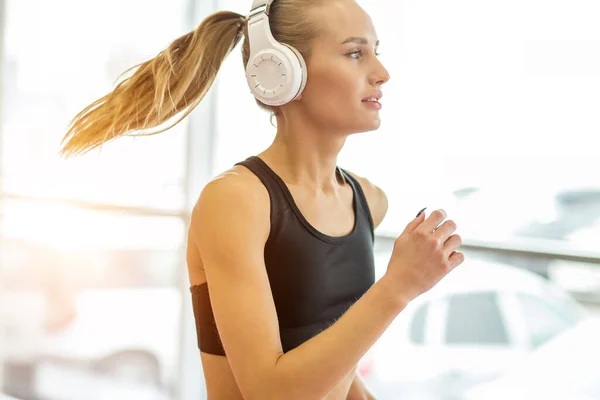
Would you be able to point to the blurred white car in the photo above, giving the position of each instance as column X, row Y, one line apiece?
column 131, row 334
column 563, row 368
column 479, row 320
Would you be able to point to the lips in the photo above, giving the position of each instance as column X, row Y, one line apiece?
column 374, row 97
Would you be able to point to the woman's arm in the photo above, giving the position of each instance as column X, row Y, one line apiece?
column 230, row 225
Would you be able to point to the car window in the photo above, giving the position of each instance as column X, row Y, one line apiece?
column 417, row 327
column 544, row 320
column 563, row 304
column 475, row 319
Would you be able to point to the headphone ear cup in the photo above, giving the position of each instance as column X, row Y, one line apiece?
column 301, row 65
column 276, row 75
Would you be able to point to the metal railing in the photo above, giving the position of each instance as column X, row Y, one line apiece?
column 529, row 253
column 98, row 206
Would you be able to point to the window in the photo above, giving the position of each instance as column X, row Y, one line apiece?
column 98, row 275
column 92, row 249
column 80, row 281
column 544, row 319
column 483, row 134
column 481, row 104
column 475, row 319
column 490, row 113
column 52, row 73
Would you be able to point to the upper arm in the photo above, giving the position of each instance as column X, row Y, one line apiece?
column 376, row 198
column 230, row 225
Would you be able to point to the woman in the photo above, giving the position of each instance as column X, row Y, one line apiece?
column 280, row 247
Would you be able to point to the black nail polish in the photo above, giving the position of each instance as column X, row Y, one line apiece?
column 420, row 212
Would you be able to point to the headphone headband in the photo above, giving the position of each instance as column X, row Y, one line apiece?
column 260, row 6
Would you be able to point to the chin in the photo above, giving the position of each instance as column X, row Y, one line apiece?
column 376, row 124
column 358, row 125
column 369, row 126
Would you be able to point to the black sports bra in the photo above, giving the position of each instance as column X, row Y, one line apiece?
column 314, row 277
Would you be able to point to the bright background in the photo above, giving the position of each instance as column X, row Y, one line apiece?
column 491, row 113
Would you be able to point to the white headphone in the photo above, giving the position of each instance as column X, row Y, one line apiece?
column 276, row 72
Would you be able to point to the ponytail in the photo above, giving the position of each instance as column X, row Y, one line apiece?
column 175, row 81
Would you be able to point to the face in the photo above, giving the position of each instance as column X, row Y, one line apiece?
column 344, row 71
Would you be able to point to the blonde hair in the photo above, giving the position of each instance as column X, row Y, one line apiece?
column 178, row 78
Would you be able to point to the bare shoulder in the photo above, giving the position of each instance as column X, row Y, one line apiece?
column 233, row 196
column 376, row 198
column 236, row 183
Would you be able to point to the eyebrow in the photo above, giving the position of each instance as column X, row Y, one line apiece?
column 359, row 40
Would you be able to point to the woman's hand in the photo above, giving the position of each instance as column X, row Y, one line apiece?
column 423, row 254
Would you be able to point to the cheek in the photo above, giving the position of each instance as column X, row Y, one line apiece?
column 334, row 88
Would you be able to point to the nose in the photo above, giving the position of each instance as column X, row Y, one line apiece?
column 380, row 75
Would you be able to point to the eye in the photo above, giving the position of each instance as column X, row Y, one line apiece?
column 357, row 52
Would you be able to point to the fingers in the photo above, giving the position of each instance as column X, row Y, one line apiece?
column 456, row 258
column 452, row 244
column 445, row 230
column 412, row 225
column 434, row 220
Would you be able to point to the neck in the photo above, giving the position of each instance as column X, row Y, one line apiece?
column 305, row 156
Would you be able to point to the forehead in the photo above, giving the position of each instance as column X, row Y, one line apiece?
column 341, row 19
